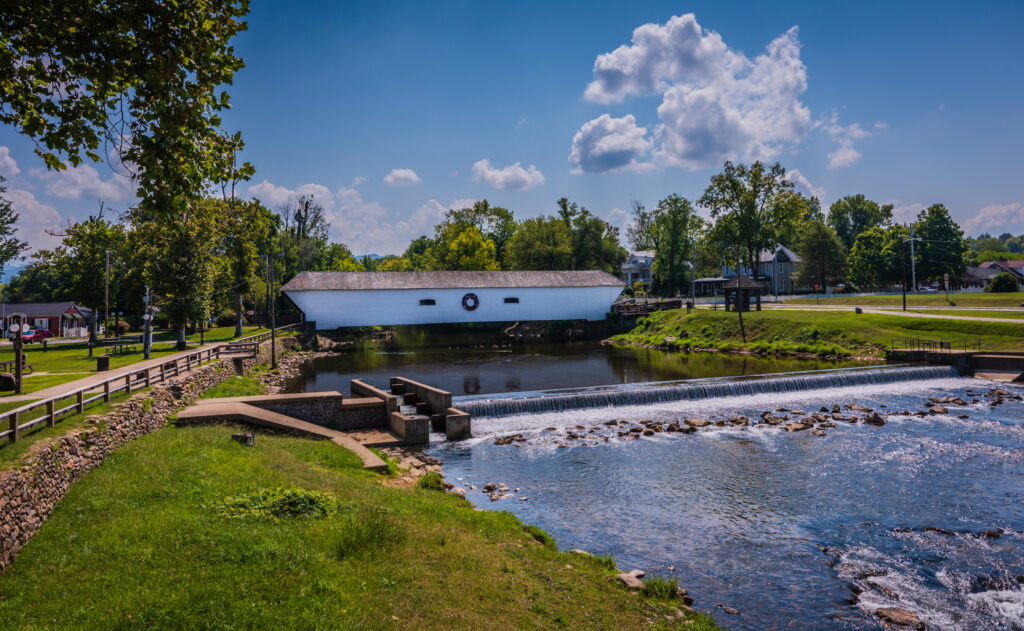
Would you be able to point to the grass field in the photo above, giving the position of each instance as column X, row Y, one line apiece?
column 146, row 541
column 831, row 333
column 1013, row 299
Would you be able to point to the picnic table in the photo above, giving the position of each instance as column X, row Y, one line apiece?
column 121, row 345
column 8, row 366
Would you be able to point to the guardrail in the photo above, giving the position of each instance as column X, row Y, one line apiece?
column 75, row 401
column 262, row 337
column 935, row 346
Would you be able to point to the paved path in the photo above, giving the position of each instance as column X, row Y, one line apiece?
column 100, row 377
column 889, row 311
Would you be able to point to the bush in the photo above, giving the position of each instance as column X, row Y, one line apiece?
column 368, row 529
column 656, row 587
column 123, row 327
column 228, row 318
column 278, row 503
column 432, row 481
column 1004, row 282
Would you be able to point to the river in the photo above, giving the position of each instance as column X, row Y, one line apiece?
column 792, row 530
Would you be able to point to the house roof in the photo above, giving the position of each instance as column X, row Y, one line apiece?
column 768, row 255
column 1017, row 264
column 38, row 309
column 742, row 282
column 351, row 281
column 643, row 253
column 982, row 272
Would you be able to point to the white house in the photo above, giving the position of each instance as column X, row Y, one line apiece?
column 342, row 299
column 637, row 267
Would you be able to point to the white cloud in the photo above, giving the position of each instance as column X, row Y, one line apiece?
column 275, row 196
column 717, row 103
column 35, row 218
column 997, row 218
column 8, row 166
column 609, row 144
column 85, row 181
column 401, row 177
column 513, row 177
column 905, row 213
column 804, row 185
column 845, row 155
column 357, row 180
column 619, row 218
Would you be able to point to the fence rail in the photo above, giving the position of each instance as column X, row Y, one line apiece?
column 75, row 401
column 263, row 337
column 935, row 346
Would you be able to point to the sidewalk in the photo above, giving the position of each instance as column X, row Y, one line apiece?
column 100, row 377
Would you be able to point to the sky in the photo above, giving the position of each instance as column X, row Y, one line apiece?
column 390, row 113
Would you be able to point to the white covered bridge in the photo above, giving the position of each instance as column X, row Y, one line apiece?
column 341, row 299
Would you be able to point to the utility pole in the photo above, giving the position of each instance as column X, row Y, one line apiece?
column 903, row 276
column 19, row 357
column 147, row 342
column 273, row 318
column 106, row 295
column 913, row 264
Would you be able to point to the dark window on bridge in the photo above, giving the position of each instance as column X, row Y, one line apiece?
column 511, row 301
column 427, row 302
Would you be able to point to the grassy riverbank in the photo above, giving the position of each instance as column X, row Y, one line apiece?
column 938, row 299
column 142, row 541
column 824, row 333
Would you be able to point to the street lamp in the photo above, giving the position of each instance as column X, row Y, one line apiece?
column 18, row 357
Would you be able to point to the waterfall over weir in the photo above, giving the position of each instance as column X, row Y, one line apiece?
column 653, row 393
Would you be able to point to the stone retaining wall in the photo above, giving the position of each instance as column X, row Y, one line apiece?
column 36, row 481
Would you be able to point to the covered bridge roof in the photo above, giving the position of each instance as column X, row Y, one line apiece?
column 321, row 281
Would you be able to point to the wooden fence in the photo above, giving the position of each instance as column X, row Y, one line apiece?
column 75, row 401
column 935, row 346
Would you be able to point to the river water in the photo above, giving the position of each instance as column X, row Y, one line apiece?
column 792, row 530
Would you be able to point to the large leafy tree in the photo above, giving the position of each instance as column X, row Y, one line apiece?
column 495, row 224
column 752, row 207
column 879, row 257
column 640, row 232
column 855, row 214
column 40, row 281
column 246, row 235
column 418, row 254
column 942, row 248
column 823, row 255
column 471, row 251
column 676, row 228
column 540, row 243
column 594, row 242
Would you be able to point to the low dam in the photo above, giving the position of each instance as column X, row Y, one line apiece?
column 663, row 392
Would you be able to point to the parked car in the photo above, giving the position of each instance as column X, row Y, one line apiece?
column 33, row 335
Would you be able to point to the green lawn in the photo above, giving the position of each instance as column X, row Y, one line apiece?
column 141, row 543
column 839, row 333
column 1014, row 299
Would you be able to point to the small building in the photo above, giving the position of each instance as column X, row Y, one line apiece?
column 980, row 276
column 776, row 270
column 1013, row 268
column 709, row 286
column 345, row 299
column 62, row 319
column 738, row 292
column 637, row 268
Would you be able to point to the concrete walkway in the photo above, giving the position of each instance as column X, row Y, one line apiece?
column 228, row 410
column 99, row 377
column 889, row 311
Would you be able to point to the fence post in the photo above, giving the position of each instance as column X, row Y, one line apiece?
column 106, row 390
column 14, row 427
column 146, row 376
column 80, row 401
column 51, row 418
column 128, row 383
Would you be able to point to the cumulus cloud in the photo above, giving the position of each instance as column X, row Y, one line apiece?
column 8, row 166
column 35, row 218
column 275, row 196
column 619, row 218
column 905, row 213
column 85, row 181
column 609, row 144
column 804, row 185
column 997, row 217
column 844, row 136
column 401, row 177
column 513, row 177
column 717, row 104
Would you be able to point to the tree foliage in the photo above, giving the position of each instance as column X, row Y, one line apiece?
column 942, row 248
column 854, row 214
column 540, row 243
column 10, row 246
column 676, row 228
column 823, row 255
column 1002, row 283
column 594, row 243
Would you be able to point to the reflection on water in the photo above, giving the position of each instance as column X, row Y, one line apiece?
column 487, row 368
column 798, row 532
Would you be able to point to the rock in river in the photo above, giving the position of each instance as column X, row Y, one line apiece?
column 901, row 618
column 874, row 419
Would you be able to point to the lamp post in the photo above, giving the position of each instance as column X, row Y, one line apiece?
column 147, row 329
column 18, row 356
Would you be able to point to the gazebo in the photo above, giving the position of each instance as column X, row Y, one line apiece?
column 738, row 291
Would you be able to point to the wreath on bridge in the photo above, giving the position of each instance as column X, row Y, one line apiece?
column 470, row 302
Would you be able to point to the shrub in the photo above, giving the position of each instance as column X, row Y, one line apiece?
column 123, row 327
column 227, row 318
column 541, row 536
column 278, row 503
column 657, row 587
column 370, row 528
column 432, row 481
column 1002, row 283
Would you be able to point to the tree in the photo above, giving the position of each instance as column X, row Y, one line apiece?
column 395, row 264
column 470, row 251
column 40, row 281
column 594, row 242
column 640, row 233
column 495, row 224
column 10, row 246
column 1003, row 282
column 419, row 253
column 854, row 214
column 540, row 243
column 337, row 257
column 676, row 228
column 823, row 254
column 875, row 259
column 752, row 207
column 941, row 249
column 246, row 235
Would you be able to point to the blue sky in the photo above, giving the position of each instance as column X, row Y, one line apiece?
column 390, row 113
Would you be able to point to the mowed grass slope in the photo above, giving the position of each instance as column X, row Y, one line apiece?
column 819, row 332
column 140, row 543
column 938, row 299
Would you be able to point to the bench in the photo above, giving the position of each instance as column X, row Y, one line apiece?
column 119, row 348
column 8, row 366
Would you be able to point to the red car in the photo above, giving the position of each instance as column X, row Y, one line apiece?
column 36, row 335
